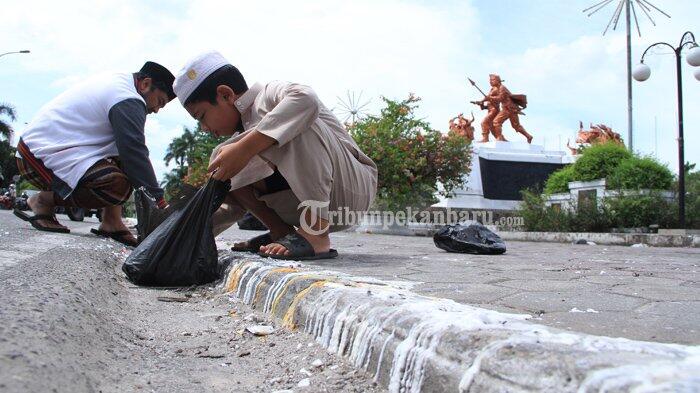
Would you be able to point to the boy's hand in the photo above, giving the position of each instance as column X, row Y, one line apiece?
column 162, row 203
column 230, row 160
column 234, row 157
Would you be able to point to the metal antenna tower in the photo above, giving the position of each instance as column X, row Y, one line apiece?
column 630, row 8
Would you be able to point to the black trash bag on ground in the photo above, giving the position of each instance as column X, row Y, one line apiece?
column 181, row 251
column 250, row 223
column 148, row 214
column 472, row 239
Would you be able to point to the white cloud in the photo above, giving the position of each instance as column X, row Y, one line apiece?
column 158, row 138
column 387, row 47
column 66, row 81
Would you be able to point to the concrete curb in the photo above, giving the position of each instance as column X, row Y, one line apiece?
column 616, row 239
column 414, row 343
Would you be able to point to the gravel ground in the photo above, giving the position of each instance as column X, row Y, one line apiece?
column 71, row 322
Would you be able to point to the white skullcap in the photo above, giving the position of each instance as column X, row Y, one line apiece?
column 195, row 71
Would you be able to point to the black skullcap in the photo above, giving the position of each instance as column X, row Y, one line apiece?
column 162, row 78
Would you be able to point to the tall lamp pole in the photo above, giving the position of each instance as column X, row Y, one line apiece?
column 642, row 73
column 19, row 51
column 630, row 128
column 631, row 8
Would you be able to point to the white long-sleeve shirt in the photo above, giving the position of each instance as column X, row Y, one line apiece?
column 76, row 129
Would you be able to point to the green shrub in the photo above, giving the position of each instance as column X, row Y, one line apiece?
column 692, row 199
column 625, row 211
column 129, row 208
column 8, row 163
column 558, row 181
column 24, row 185
column 589, row 217
column 636, row 211
column 599, row 161
column 595, row 162
column 412, row 157
column 538, row 217
column 533, row 211
column 635, row 173
column 623, row 171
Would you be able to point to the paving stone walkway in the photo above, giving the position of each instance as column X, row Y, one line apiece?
column 650, row 294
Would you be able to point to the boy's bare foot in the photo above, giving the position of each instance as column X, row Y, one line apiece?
column 42, row 203
column 320, row 243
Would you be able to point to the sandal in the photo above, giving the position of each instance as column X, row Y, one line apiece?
column 255, row 243
column 120, row 236
column 299, row 249
column 35, row 218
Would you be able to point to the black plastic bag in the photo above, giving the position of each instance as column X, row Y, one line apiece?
column 472, row 239
column 147, row 213
column 150, row 216
column 181, row 251
column 250, row 223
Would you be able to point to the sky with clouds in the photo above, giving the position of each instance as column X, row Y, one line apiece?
column 547, row 49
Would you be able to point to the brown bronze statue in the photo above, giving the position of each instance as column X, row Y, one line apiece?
column 511, row 105
column 487, row 124
column 574, row 150
column 595, row 135
column 492, row 109
column 462, row 126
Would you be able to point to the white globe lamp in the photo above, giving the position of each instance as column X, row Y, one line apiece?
column 641, row 72
column 697, row 73
column 693, row 56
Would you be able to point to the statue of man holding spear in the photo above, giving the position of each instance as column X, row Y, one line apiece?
column 511, row 105
column 492, row 109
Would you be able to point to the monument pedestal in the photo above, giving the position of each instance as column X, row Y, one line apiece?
column 500, row 170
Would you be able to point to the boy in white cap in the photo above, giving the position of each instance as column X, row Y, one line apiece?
column 290, row 160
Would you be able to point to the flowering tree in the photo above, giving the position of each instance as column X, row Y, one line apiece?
column 413, row 159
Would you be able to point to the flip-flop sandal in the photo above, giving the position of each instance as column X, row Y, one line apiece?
column 120, row 236
column 255, row 243
column 299, row 249
column 35, row 218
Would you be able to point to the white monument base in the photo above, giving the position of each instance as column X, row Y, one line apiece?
column 499, row 170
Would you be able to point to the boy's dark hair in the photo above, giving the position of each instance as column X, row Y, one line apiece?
column 227, row 75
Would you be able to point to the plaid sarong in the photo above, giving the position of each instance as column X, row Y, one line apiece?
column 104, row 184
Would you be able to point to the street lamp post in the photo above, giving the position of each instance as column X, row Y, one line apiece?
column 642, row 73
column 19, row 51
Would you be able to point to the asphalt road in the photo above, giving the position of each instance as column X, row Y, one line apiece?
column 70, row 322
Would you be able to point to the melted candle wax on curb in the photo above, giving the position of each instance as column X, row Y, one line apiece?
column 354, row 331
column 351, row 330
column 588, row 310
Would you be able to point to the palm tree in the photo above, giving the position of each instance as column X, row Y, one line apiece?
column 8, row 166
column 190, row 152
column 172, row 180
column 5, row 128
column 181, row 148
